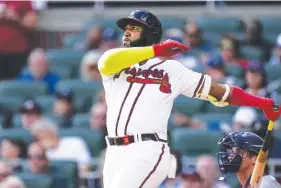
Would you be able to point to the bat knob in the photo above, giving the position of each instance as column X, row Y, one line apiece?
column 275, row 107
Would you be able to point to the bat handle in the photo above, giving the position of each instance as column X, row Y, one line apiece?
column 276, row 107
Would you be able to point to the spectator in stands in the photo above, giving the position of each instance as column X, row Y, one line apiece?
column 39, row 71
column 276, row 58
column 66, row 148
column 64, row 107
column 193, row 37
column 30, row 111
column 12, row 151
column 254, row 38
column 256, row 79
column 191, row 178
column 230, row 51
column 93, row 40
column 37, row 160
column 89, row 66
column 110, row 39
column 18, row 23
column 243, row 119
column 7, row 117
column 98, row 113
column 7, row 179
column 208, row 170
column 217, row 70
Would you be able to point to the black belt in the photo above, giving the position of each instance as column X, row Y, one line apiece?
column 125, row 140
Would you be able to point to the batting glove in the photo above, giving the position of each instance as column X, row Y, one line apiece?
column 169, row 48
column 269, row 112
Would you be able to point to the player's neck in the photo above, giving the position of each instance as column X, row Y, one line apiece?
column 244, row 176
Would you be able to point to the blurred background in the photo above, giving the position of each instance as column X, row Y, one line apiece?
column 52, row 107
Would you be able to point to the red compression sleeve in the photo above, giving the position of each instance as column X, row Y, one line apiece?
column 241, row 98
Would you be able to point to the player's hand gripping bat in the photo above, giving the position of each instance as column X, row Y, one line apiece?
column 262, row 156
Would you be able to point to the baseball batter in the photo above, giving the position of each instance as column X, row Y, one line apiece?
column 141, row 83
column 239, row 151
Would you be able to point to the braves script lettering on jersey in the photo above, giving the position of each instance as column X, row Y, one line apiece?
column 139, row 100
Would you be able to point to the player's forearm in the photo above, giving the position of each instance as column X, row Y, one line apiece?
column 113, row 61
column 239, row 97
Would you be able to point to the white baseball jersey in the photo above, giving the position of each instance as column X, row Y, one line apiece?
column 140, row 98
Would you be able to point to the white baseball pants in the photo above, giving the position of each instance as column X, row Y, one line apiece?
column 138, row 165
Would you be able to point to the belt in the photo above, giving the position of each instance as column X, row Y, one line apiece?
column 125, row 140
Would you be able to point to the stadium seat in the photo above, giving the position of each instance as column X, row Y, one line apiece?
column 94, row 139
column 46, row 102
column 81, row 121
column 69, row 41
column 210, row 108
column 213, row 37
column 220, row 24
column 252, row 53
column 16, row 120
column 172, row 22
column 214, row 120
column 270, row 23
column 80, row 89
column 62, row 57
column 99, row 21
column 187, row 106
column 273, row 71
column 63, row 71
column 23, row 89
column 67, row 168
column 18, row 134
column 12, row 104
column 271, row 36
column 35, row 181
column 194, row 142
column 234, row 70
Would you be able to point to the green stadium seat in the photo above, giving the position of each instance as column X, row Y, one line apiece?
column 69, row 41
column 12, row 104
column 46, row 102
column 105, row 22
column 18, row 134
column 234, row 70
column 16, row 120
column 94, row 139
column 35, row 181
column 80, row 89
column 81, row 121
column 187, row 105
column 64, row 57
column 252, row 53
column 63, row 71
column 23, row 89
column 213, row 37
column 210, row 108
column 273, row 72
column 69, row 169
column 220, row 24
column 271, row 36
column 172, row 22
column 194, row 142
column 270, row 23
column 213, row 120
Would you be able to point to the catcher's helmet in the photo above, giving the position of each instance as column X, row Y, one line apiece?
column 152, row 28
column 246, row 141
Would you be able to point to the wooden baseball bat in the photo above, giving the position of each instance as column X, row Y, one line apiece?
column 262, row 156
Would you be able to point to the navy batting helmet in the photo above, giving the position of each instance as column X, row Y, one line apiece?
column 230, row 162
column 152, row 28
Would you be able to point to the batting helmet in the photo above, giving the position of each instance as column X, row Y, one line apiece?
column 230, row 162
column 152, row 28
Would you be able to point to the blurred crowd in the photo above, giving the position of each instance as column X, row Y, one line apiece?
column 22, row 60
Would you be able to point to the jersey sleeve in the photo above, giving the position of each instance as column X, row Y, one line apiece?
column 188, row 81
column 269, row 181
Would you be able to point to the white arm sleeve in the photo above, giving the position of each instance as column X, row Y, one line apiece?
column 269, row 181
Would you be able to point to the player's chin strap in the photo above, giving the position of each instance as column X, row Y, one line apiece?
column 204, row 95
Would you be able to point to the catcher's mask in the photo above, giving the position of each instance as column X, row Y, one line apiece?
column 230, row 161
column 152, row 28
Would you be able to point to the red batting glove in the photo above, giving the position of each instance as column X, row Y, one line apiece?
column 269, row 112
column 169, row 48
